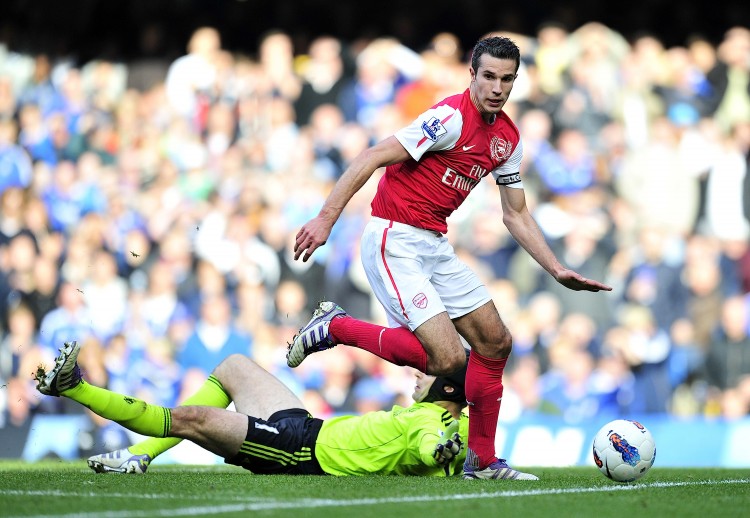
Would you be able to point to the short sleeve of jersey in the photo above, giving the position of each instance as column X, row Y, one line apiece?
column 508, row 174
column 437, row 129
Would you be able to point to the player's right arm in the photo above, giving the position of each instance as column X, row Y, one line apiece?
column 315, row 232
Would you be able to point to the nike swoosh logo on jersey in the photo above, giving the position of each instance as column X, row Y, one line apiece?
column 466, row 148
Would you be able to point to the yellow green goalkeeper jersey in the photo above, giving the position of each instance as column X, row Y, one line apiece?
column 396, row 442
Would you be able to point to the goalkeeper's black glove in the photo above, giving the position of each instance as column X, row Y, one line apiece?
column 445, row 451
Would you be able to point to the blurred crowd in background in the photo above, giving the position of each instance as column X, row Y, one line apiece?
column 149, row 209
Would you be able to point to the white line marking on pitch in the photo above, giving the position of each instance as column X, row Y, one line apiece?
column 312, row 503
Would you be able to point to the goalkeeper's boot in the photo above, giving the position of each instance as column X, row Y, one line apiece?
column 64, row 375
column 314, row 336
column 120, row 461
column 498, row 469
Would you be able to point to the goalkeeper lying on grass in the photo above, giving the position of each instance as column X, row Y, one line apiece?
column 271, row 432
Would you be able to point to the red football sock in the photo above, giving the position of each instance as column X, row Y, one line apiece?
column 484, row 389
column 397, row 345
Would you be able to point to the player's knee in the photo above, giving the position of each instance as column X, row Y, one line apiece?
column 188, row 421
column 504, row 345
column 230, row 364
column 448, row 363
column 499, row 346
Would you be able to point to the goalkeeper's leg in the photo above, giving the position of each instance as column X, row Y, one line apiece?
column 136, row 458
column 255, row 391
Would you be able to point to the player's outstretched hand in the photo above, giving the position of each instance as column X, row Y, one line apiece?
column 577, row 282
column 445, row 451
column 311, row 236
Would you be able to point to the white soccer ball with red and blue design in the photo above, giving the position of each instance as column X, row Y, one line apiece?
column 624, row 450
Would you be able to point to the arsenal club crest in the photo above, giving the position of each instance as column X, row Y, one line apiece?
column 500, row 149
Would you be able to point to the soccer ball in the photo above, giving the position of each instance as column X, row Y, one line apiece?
column 624, row 450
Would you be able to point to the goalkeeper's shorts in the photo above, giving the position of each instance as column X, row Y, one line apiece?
column 283, row 445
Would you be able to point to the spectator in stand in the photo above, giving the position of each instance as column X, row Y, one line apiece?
column 372, row 394
column 536, row 127
column 650, row 170
column 67, row 199
column 77, row 109
column 728, row 360
column 19, row 351
column 568, row 167
column 382, row 67
column 120, row 220
column 702, row 277
column 324, row 77
column 215, row 337
column 43, row 297
column 742, row 136
column 220, row 133
column 176, row 252
column 34, row 136
column 684, row 87
column 491, row 244
column 15, row 163
column 637, row 104
column 653, row 277
column 21, row 255
column 282, row 131
column 190, row 78
column 159, row 307
column 40, row 91
column 724, row 210
column 67, row 146
column 106, row 296
column 17, row 341
column 586, row 104
column 156, row 376
column 7, row 98
column 437, row 79
column 310, row 275
column 729, row 79
column 686, row 357
column 569, row 390
column 583, row 248
column 69, row 321
column 12, row 213
column 552, row 58
column 276, row 58
column 325, row 127
column 646, row 348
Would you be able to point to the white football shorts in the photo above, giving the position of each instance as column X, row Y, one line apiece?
column 415, row 274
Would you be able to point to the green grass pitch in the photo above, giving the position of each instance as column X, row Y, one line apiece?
column 69, row 489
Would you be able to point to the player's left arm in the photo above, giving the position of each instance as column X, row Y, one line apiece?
column 526, row 232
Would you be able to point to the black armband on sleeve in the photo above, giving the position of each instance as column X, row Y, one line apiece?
column 508, row 179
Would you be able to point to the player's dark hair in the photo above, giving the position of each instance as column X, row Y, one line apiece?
column 497, row 47
column 455, row 382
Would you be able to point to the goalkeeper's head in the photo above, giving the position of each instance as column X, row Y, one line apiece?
column 449, row 388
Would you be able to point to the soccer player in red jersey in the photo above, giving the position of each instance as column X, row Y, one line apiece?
column 429, row 295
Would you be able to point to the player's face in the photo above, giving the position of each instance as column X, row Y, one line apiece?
column 491, row 83
column 422, row 386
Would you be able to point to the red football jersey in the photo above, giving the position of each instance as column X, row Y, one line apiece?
column 452, row 148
